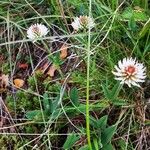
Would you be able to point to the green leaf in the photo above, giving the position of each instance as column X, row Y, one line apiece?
column 85, row 147
column 54, row 104
column 34, row 115
column 71, row 140
column 46, row 104
column 95, row 144
column 113, row 94
column 146, row 49
column 107, row 9
column 56, row 59
column 93, row 122
column 75, row 2
column 106, row 92
column 132, row 24
column 107, row 134
column 122, row 144
column 138, row 14
column 115, row 91
column 127, row 13
column 74, row 96
column 145, row 29
column 108, row 147
column 120, row 102
column 102, row 122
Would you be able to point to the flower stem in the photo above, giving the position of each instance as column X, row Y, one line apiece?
column 88, row 85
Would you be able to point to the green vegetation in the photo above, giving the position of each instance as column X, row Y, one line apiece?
column 67, row 97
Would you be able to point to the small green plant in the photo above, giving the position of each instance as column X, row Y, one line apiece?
column 112, row 95
column 104, row 133
column 70, row 141
column 75, row 107
column 49, row 107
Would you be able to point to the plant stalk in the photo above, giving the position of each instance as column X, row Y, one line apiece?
column 88, row 85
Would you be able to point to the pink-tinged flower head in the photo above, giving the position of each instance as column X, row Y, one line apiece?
column 37, row 31
column 129, row 71
column 83, row 22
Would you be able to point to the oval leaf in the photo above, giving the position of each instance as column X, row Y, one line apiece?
column 71, row 140
column 74, row 96
column 18, row 83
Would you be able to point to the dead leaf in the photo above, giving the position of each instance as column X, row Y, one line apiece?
column 18, row 83
column 51, row 70
column 1, row 121
column 3, row 82
column 44, row 67
column 1, row 58
column 63, row 51
column 23, row 65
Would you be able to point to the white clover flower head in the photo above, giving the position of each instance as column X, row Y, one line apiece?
column 83, row 22
column 36, row 31
column 76, row 24
column 129, row 71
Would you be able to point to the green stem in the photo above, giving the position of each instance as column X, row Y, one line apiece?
column 88, row 86
column 87, row 103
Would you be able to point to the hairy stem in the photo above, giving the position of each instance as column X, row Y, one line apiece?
column 88, row 84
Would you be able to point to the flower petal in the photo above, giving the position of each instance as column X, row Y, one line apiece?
column 130, row 72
